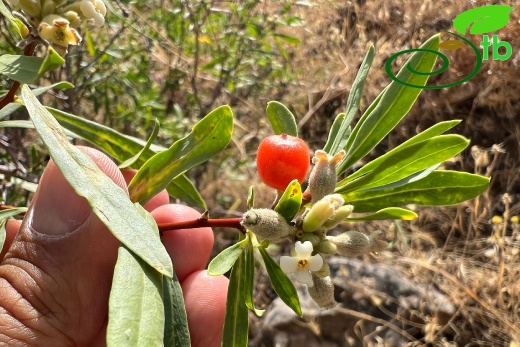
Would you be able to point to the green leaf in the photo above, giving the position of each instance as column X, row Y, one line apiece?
column 250, row 276
column 208, row 137
column 236, row 323
column 408, row 160
column 437, row 189
column 333, row 132
column 225, row 259
column 17, row 24
column 287, row 38
column 108, row 201
column 250, row 197
column 282, row 285
column 4, row 216
column 290, row 202
column 282, row 120
column 130, row 161
column 11, row 107
column 354, row 99
column 485, row 19
column 435, row 130
column 89, row 43
column 121, row 147
column 20, row 68
column 394, row 103
column 281, row 49
column 135, row 308
column 51, row 61
column 183, row 189
column 176, row 332
column 386, row 213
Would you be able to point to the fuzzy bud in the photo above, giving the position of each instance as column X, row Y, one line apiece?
column 354, row 243
column 321, row 211
column 351, row 243
column 323, row 291
column 323, row 177
column 267, row 224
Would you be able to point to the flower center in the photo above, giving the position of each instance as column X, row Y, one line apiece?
column 302, row 264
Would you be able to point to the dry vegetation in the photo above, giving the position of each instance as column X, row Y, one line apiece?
column 463, row 251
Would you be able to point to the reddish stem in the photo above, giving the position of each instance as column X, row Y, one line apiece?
column 185, row 224
column 203, row 222
column 9, row 97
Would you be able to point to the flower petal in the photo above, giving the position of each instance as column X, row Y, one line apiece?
column 303, row 250
column 304, row 277
column 315, row 262
column 288, row 264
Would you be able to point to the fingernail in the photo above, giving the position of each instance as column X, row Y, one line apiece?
column 56, row 208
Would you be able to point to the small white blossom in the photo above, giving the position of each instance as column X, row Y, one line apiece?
column 303, row 263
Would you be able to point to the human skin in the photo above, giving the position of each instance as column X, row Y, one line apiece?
column 57, row 268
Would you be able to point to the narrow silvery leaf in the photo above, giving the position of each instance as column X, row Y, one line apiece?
column 236, row 323
column 282, row 285
column 225, row 259
column 108, row 201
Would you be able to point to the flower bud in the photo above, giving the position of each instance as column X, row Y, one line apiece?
column 48, row 8
column 314, row 239
column 32, row 8
column 351, row 243
column 323, row 178
column 323, row 291
column 267, row 224
column 321, row 211
column 340, row 215
column 327, row 247
column 354, row 243
column 73, row 18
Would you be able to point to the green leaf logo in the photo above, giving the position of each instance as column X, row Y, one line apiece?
column 483, row 19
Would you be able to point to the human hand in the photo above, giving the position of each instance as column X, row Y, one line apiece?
column 57, row 268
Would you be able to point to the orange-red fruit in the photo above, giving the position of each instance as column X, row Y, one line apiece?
column 281, row 159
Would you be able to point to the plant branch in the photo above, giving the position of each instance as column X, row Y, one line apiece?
column 10, row 96
column 203, row 222
column 186, row 224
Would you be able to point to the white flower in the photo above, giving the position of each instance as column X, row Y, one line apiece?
column 303, row 263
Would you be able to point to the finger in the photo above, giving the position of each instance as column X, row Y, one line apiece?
column 189, row 248
column 162, row 198
column 205, row 300
column 55, row 279
column 11, row 229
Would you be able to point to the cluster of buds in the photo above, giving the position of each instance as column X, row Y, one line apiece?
column 56, row 21
column 309, row 231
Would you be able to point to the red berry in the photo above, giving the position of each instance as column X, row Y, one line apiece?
column 281, row 159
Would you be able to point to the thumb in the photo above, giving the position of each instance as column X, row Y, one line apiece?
column 55, row 279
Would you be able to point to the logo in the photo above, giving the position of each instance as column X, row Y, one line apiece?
column 480, row 20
